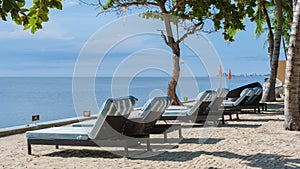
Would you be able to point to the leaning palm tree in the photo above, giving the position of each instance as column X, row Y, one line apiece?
column 276, row 25
column 291, row 102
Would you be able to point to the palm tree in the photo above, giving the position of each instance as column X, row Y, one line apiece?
column 291, row 102
column 278, row 27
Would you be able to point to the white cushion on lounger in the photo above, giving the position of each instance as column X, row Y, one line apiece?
column 206, row 96
column 124, row 106
column 156, row 104
column 69, row 133
column 245, row 93
column 88, row 123
column 174, row 112
column 227, row 103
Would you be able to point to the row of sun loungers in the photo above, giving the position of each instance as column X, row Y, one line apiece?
column 113, row 126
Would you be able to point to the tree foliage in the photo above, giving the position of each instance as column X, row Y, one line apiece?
column 275, row 17
column 32, row 17
column 226, row 15
column 261, row 22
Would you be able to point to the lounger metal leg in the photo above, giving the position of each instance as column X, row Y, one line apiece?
column 237, row 116
column 148, row 145
column 230, row 116
column 180, row 133
column 28, row 147
column 126, row 150
column 223, row 119
column 165, row 137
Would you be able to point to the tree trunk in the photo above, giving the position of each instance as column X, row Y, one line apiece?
column 170, row 41
column 270, row 31
column 291, row 102
column 175, row 76
column 269, row 93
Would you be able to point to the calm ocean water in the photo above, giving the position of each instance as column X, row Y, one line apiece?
column 51, row 98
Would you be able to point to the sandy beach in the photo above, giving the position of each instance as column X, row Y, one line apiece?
column 254, row 141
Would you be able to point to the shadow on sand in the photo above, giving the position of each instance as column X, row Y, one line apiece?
column 264, row 161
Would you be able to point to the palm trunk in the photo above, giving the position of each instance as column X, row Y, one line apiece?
column 269, row 93
column 270, row 31
column 291, row 102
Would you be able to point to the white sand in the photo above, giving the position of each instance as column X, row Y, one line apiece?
column 256, row 141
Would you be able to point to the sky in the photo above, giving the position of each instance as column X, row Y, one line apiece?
column 54, row 50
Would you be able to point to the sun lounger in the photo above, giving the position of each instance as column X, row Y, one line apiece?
column 253, row 102
column 145, row 123
column 185, row 113
column 152, row 107
column 235, row 93
column 99, row 135
column 235, row 107
column 207, row 102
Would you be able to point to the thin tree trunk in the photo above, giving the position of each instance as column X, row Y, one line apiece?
column 269, row 94
column 270, row 31
column 291, row 102
column 176, row 67
column 175, row 77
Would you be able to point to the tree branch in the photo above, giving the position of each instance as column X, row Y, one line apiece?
column 137, row 4
column 164, row 38
column 191, row 31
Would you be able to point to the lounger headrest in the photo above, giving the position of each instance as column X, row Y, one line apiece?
column 246, row 92
column 222, row 92
column 156, row 104
column 124, row 105
column 257, row 90
column 110, row 107
column 244, row 95
column 202, row 97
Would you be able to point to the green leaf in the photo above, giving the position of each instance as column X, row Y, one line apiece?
column 33, row 29
column 3, row 14
column 7, row 5
column 15, row 5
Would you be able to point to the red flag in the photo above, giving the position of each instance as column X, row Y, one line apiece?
column 220, row 71
column 229, row 75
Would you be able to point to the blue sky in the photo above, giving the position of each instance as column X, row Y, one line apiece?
column 53, row 51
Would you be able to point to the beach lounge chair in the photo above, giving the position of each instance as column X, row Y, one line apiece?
column 145, row 123
column 235, row 93
column 153, row 108
column 253, row 102
column 234, row 107
column 206, row 102
column 185, row 113
column 101, row 134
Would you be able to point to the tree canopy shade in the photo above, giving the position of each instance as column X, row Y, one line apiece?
column 32, row 17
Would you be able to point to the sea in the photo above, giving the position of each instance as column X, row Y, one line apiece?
column 52, row 98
